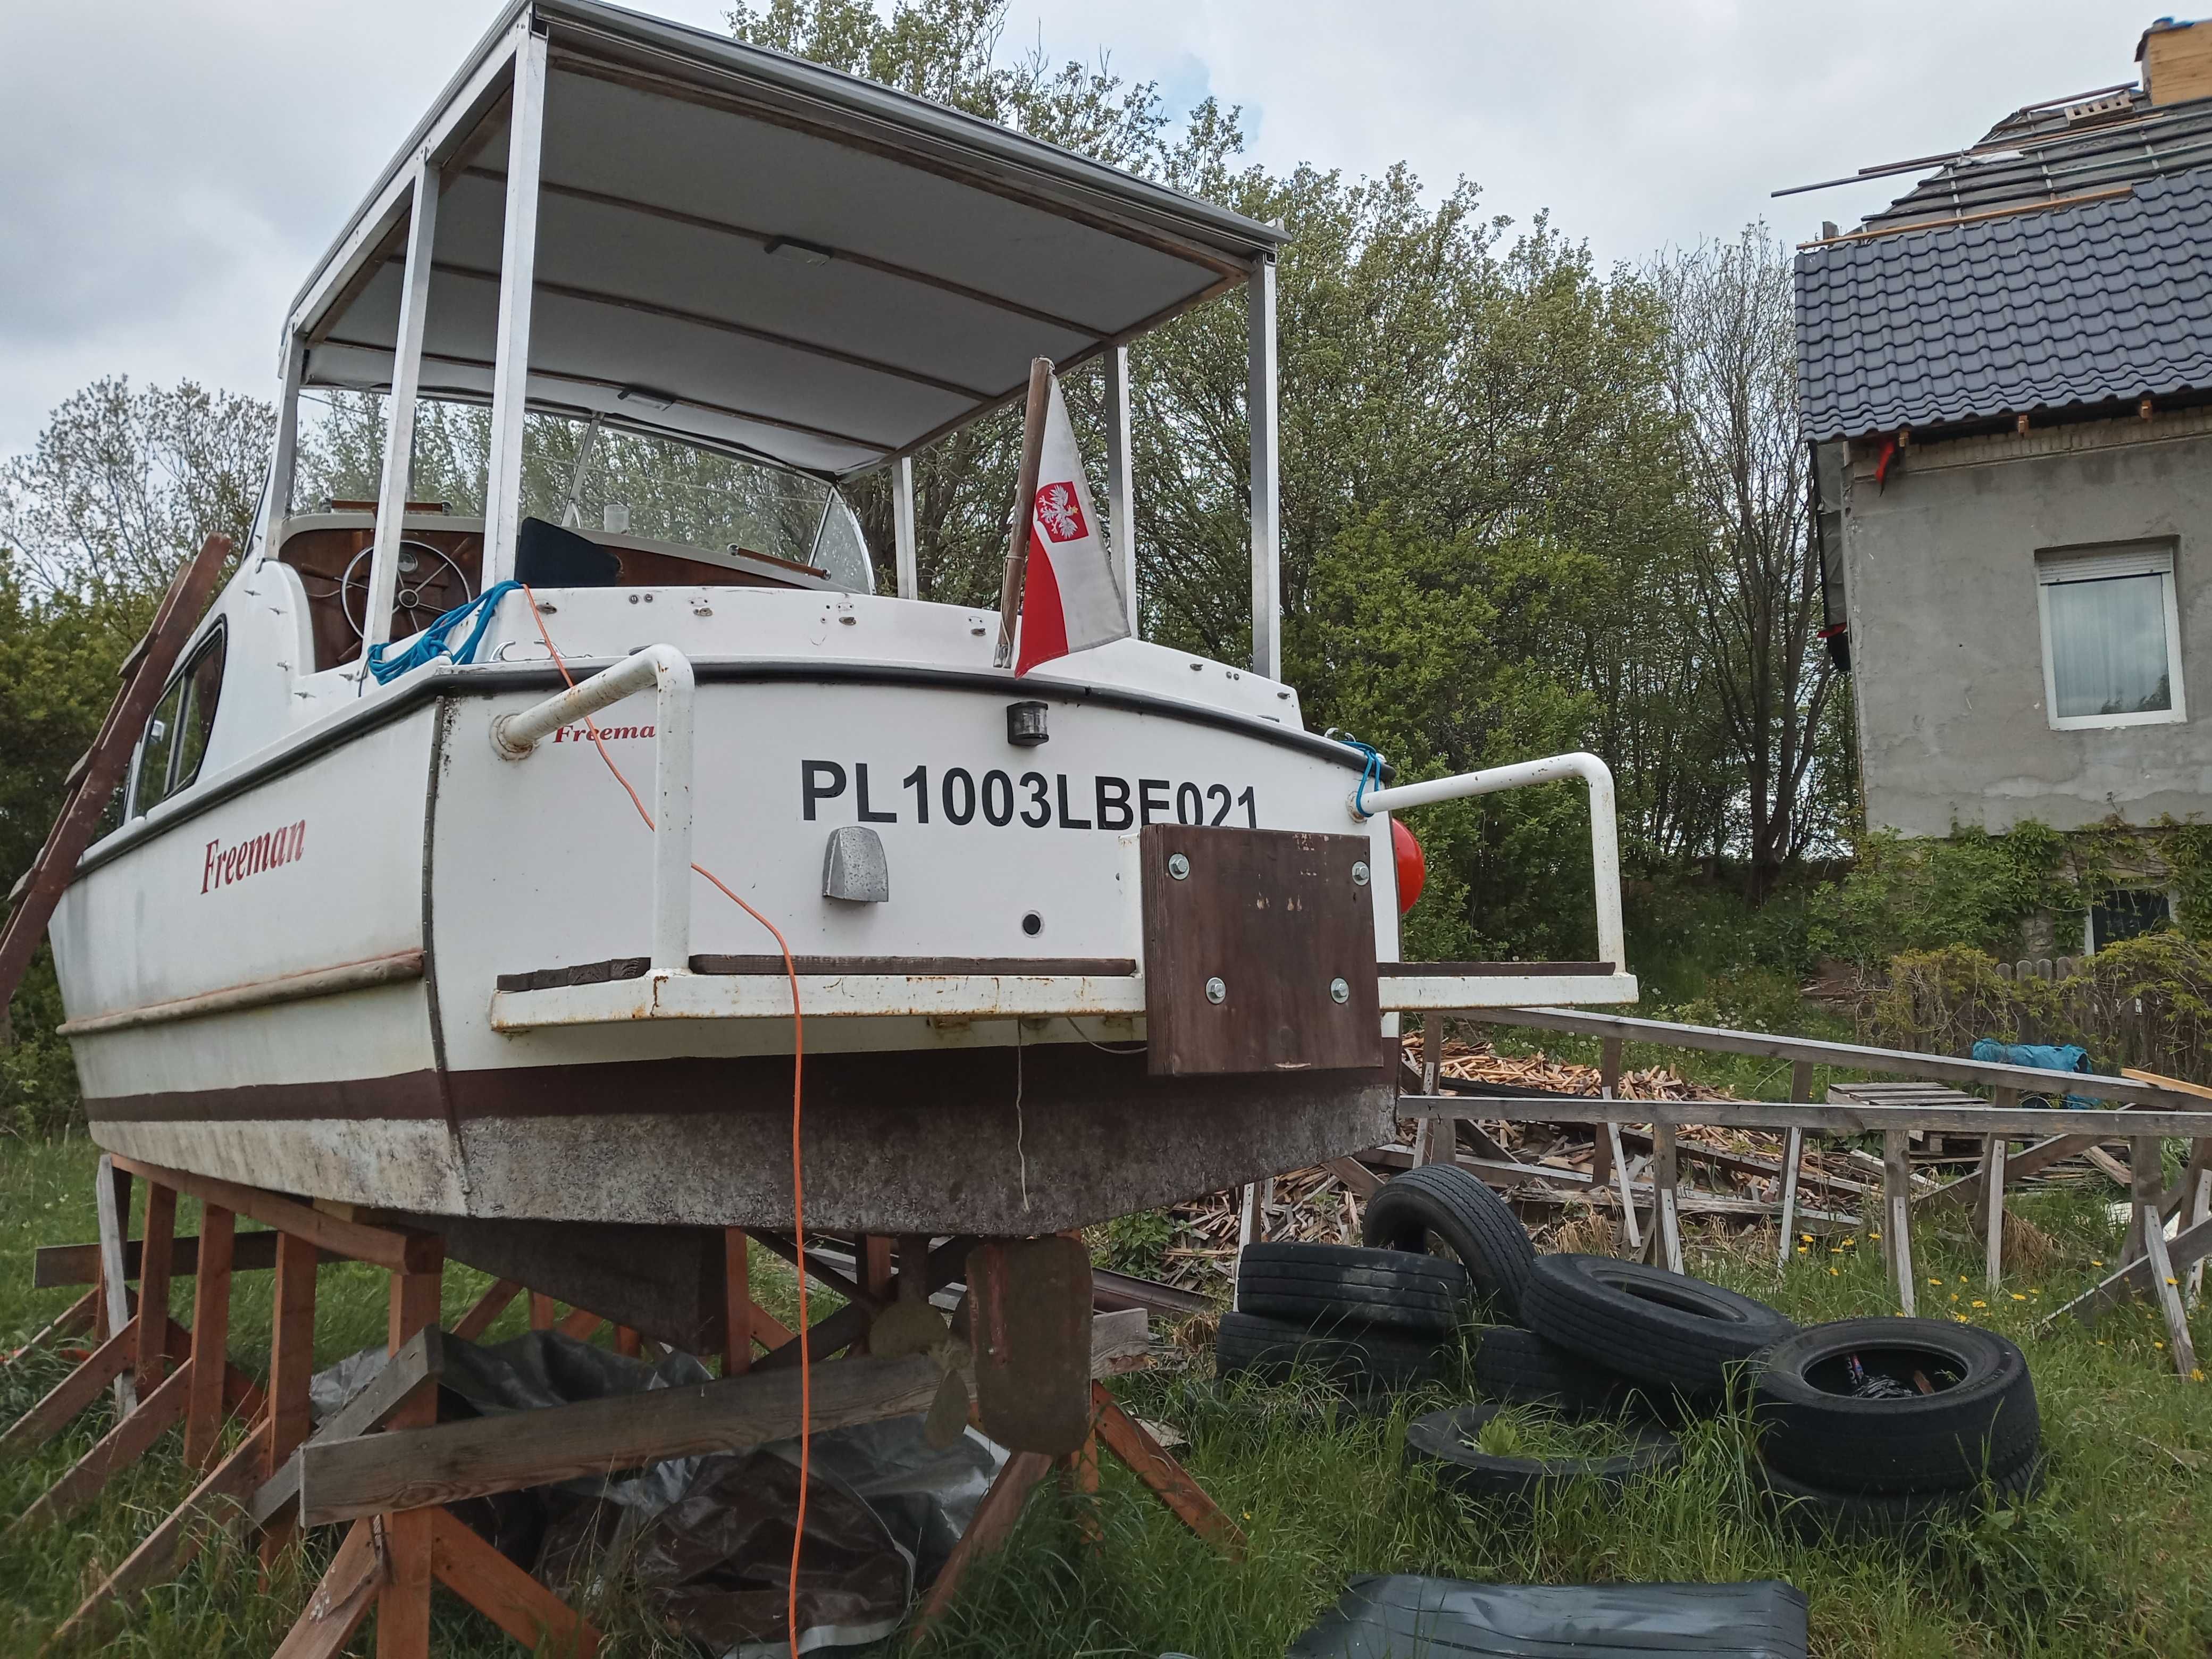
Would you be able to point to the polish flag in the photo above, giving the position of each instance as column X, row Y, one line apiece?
column 1072, row 596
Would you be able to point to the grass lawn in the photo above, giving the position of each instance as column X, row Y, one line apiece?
column 2114, row 1557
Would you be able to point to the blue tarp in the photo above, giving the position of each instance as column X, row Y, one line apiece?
column 2043, row 1056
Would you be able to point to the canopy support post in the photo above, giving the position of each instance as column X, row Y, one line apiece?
column 1266, row 475
column 517, row 271
column 1121, row 478
column 283, row 461
column 400, row 412
column 902, row 533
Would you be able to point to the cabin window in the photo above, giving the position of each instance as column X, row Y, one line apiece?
column 2111, row 636
column 177, row 733
column 2126, row 912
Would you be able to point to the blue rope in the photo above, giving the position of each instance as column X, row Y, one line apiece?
column 1370, row 774
column 435, row 641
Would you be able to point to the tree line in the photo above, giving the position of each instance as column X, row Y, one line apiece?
column 1528, row 505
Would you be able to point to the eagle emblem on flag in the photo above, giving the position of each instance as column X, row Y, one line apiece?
column 1059, row 514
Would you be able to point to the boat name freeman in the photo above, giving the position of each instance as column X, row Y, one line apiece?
column 250, row 858
column 1114, row 803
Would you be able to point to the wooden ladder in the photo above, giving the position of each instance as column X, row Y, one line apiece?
column 92, row 781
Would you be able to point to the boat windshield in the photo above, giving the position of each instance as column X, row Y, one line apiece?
column 594, row 477
column 599, row 478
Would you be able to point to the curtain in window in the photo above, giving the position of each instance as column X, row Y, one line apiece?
column 2108, row 645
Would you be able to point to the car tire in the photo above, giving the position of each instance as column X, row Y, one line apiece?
column 1818, row 1514
column 1478, row 1226
column 1343, row 1287
column 1439, row 1441
column 1981, row 1420
column 1275, row 1350
column 1663, row 1329
column 1521, row 1368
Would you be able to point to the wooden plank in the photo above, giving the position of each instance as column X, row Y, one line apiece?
column 489, row 1307
column 160, row 1229
column 1897, row 1215
column 627, row 1342
column 2132, row 1278
column 1994, row 1150
column 420, row 1358
column 72, row 1393
column 1793, row 1155
column 382, row 1246
column 169, row 1548
column 1856, row 1056
column 210, row 1334
column 769, row 1331
column 994, row 1519
column 1273, row 917
column 340, row 1602
column 121, row 1446
column 2177, row 1085
column 291, row 1365
column 110, row 1193
column 417, row 1468
column 579, row 1323
column 2198, row 1179
column 1144, row 1457
column 1359, row 1180
column 737, row 1303
column 2164, row 1285
column 56, row 1265
column 820, row 1269
column 827, row 1335
column 2092, row 1124
column 1606, row 1150
column 403, row 1604
column 73, row 1320
column 1667, row 1197
column 503, row 1593
column 541, row 1311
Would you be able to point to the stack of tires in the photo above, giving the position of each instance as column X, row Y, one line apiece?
column 1881, row 1425
column 1369, row 1321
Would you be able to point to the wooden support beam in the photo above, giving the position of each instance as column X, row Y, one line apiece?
column 504, row 1592
column 121, row 1446
column 487, row 1307
column 2144, row 1160
column 291, row 1365
column 579, row 1323
column 541, row 1311
column 627, row 1342
column 210, row 1335
column 389, row 1247
column 816, row 1268
column 2197, row 1182
column 72, row 1393
column 169, row 1548
column 994, row 1519
column 947, row 1263
column 56, row 1265
column 403, row 1604
column 1897, row 1214
column 737, row 1303
column 769, row 1331
column 420, row 1360
column 110, row 1193
column 2193, row 1245
column 1145, row 1458
column 160, row 1231
column 1605, row 1150
column 875, row 1269
column 442, row 1465
column 1667, row 1200
column 73, row 1320
column 340, row 1602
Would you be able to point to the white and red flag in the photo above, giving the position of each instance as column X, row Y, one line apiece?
column 1071, row 597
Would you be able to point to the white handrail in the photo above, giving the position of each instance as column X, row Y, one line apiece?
column 669, row 672
column 1605, row 834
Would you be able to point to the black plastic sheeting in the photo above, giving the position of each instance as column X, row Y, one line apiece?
column 708, row 1538
column 1405, row 1616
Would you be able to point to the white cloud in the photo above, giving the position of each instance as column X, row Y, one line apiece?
column 171, row 168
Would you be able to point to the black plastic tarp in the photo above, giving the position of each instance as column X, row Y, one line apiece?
column 1406, row 1616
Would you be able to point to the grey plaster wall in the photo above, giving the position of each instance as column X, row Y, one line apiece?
column 1947, row 648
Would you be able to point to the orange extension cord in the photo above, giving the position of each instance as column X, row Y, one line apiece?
column 798, row 1187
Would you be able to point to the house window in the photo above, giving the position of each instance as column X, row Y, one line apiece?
column 2127, row 913
column 2111, row 636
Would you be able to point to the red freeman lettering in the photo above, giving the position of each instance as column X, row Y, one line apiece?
column 272, row 848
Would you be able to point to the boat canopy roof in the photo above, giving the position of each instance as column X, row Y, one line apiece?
column 737, row 248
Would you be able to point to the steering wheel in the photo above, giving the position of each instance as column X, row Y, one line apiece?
column 430, row 584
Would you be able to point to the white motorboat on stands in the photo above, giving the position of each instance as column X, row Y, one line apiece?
column 1091, row 939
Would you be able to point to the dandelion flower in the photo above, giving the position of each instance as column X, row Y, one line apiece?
column 1979, row 1303
column 2017, row 1296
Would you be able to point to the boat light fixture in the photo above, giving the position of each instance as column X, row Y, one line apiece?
column 1026, row 725
column 812, row 253
column 646, row 396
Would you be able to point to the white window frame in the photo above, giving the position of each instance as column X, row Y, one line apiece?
column 2145, row 553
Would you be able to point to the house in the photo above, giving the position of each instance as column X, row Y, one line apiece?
column 2006, row 377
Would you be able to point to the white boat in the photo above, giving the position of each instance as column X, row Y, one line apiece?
column 405, row 943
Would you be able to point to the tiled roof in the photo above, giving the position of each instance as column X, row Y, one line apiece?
column 2033, row 310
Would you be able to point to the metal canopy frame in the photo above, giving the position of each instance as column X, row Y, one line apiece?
column 1006, row 178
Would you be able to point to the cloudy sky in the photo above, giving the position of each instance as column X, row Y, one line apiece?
column 170, row 168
